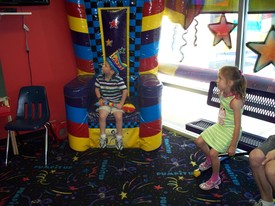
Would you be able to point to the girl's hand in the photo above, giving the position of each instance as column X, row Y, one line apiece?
column 269, row 156
column 231, row 150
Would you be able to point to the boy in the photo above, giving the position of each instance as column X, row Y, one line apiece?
column 110, row 87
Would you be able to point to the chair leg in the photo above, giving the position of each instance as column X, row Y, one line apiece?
column 13, row 139
column 7, row 148
column 46, row 145
column 14, row 143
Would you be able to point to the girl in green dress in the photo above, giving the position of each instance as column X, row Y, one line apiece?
column 223, row 136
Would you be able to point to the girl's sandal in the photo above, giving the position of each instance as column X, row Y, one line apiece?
column 208, row 185
column 204, row 166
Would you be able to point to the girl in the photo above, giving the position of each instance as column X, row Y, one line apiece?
column 224, row 135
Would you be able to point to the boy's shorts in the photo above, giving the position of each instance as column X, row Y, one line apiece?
column 110, row 109
column 268, row 145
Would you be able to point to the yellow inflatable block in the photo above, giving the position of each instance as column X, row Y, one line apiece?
column 130, row 137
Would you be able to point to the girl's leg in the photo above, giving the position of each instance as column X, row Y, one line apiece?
column 205, row 149
column 214, row 155
column 202, row 145
column 214, row 180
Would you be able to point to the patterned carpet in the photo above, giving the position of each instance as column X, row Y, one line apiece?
column 108, row 177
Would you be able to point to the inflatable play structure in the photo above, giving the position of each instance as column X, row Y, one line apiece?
column 128, row 31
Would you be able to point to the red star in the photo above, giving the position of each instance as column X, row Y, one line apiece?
column 24, row 179
column 158, row 187
column 222, row 31
column 265, row 50
column 72, row 188
column 114, row 24
column 217, row 195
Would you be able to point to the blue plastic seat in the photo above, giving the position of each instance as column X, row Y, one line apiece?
column 32, row 114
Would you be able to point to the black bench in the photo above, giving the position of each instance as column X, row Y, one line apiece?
column 258, row 104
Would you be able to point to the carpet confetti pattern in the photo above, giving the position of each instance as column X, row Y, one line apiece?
column 129, row 177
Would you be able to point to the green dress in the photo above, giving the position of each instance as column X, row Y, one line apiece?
column 219, row 136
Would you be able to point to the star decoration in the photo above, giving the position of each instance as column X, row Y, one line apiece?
column 180, row 177
column 53, row 171
column 114, row 23
column 121, row 50
column 158, row 187
column 75, row 158
column 193, row 163
column 221, row 31
column 217, row 195
column 109, row 42
column 123, row 195
column 72, row 188
column 24, row 179
column 265, row 50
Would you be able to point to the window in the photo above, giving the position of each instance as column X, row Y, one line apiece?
column 188, row 61
column 194, row 48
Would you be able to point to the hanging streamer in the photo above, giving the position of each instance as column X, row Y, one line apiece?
column 174, row 37
column 196, row 31
column 184, row 44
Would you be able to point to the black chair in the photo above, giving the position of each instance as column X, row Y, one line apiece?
column 32, row 114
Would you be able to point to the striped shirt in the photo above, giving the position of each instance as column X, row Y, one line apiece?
column 110, row 90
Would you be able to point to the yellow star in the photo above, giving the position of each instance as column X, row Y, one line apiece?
column 193, row 163
column 109, row 42
column 265, row 50
column 123, row 195
column 75, row 158
column 180, row 177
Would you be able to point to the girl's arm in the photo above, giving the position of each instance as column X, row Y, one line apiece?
column 236, row 105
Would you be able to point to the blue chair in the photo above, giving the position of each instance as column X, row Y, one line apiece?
column 32, row 114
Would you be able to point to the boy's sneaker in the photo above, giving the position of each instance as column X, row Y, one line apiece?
column 103, row 142
column 205, row 165
column 119, row 144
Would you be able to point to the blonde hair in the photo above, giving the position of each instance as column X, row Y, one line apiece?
column 232, row 73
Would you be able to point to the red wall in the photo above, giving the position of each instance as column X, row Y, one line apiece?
column 52, row 60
